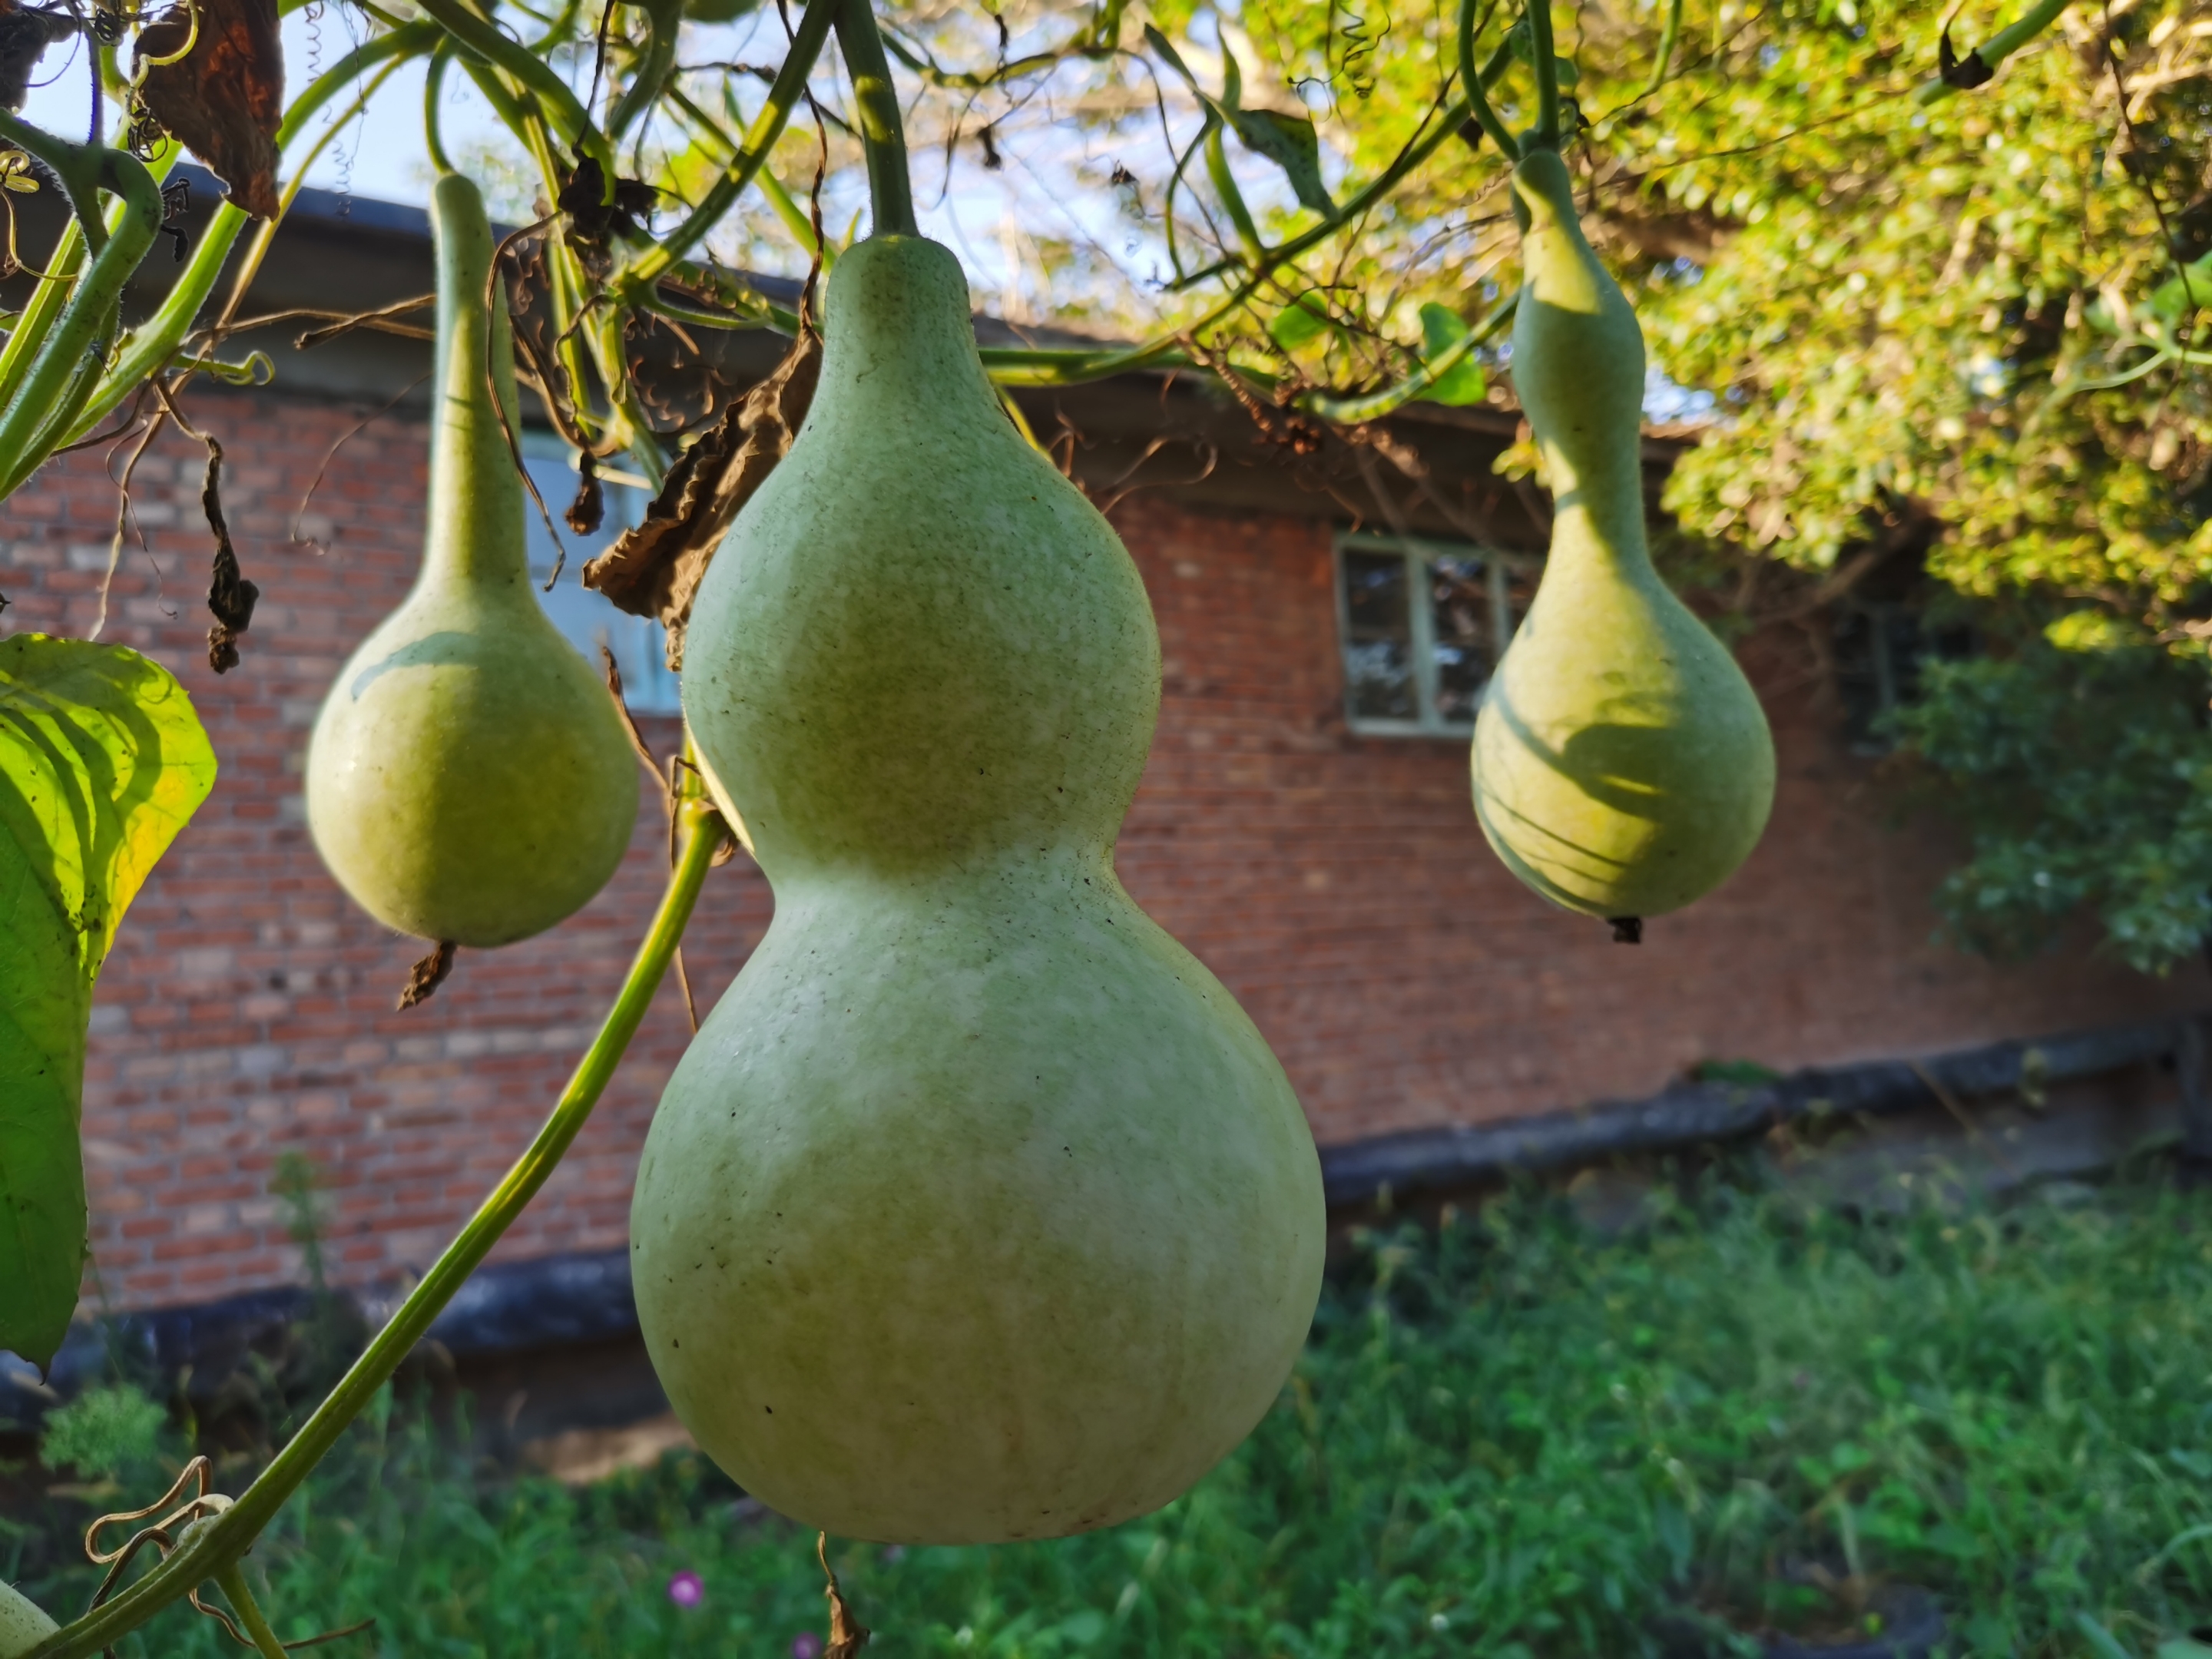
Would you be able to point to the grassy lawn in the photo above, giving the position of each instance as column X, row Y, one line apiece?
column 1507, row 1437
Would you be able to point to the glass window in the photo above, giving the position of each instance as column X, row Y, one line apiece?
column 1423, row 626
column 584, row 617
column 1880, row 650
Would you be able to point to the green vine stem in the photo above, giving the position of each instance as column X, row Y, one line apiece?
column 232, row 1582
column 53, row 376
column 150, row 346
column 882, row 132
column 1999, row 46
column 1545, row 64
column 1475, row 84
column 1073, row 367
column 30, row 329
column 477, row 36
column 664, row 22
column 1373, row 406
column 1666, row 40
column 784, row 93
column 53, row 293
column 215, row 1546
column 1232, row 198
column 434, row 91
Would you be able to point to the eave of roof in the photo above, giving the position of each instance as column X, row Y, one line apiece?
column 1173, row 432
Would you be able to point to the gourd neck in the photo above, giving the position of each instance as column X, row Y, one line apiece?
column 1578, row 369
column 1611, row 540
column 475, row 541
column 896, row 326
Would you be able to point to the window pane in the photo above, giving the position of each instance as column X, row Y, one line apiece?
column 1378, row 650
column 1881, row 648
column 1375, row 594
column 1466, row 637
column 585, row 619
column 1381, row 676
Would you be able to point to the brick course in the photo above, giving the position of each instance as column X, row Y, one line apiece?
column 1338, row 885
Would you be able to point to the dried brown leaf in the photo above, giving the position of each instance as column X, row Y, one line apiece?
column 24, row 36
column 654, row 569
column 231, row 598
column 424, row 978
column 847, row 1635
column 223, row 100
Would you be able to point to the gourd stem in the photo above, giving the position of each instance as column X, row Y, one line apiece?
column 1546, row 66
column 1474, row 88
column 218, row 1545
column 882, row 133
column 433, row 88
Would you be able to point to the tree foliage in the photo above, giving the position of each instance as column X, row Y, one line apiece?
column 1956, row 341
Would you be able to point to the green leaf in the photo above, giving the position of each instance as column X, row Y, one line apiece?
column 1299, row 322
column 2181, row 295
column 1443, row 328
column 2183, row 1647
column 2100, row 1639
column 101, row 763
column 1290, row 141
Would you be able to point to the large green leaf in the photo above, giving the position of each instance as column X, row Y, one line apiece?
column 101, row 763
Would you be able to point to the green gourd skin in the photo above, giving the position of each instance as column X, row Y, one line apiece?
column 23, row 1623
column 1622, row 763
column 978, row 1209
column 468, row 778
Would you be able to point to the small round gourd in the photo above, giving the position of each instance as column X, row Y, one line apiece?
column 468, row 778
column 1622, row 764
column 978, row 1209
column 23, row 1623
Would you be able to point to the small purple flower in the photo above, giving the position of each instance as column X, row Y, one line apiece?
column 806, row 1645
column 687, row 1589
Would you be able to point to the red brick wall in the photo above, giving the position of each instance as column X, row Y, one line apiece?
column 1338, row 886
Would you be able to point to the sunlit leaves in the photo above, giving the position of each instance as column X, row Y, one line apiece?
column 101, row 763
column 1443, row 328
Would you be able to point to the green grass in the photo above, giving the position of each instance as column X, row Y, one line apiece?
column 1506, row 1437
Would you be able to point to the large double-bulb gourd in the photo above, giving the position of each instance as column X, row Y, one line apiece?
column 468, row 778
column 977, row 1210
column 23, row 1623
column 1622, row 763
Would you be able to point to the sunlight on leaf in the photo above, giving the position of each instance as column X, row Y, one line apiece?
column 102, row 761
column 1443, row 328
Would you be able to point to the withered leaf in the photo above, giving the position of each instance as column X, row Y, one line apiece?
column 847, row 1635
column 424, row 978
column 24, row 36
column 223, row 100
column 654, row 569
column 231, row 598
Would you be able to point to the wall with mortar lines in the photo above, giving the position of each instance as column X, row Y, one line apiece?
column 1338, row 885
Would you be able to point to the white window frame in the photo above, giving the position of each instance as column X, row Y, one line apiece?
column 1417, row 551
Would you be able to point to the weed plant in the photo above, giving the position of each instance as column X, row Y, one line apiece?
column 1508, row 1436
